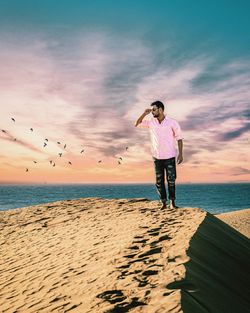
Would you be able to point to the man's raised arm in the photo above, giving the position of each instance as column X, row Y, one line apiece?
column 146, row 112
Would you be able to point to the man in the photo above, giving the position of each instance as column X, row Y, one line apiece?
column 164, row 131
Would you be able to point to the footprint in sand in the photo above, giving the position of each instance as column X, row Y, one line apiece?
column 150, row 252
column 117, row 296
column 183, row 284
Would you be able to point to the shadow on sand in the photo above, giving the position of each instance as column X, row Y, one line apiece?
column 218, row 273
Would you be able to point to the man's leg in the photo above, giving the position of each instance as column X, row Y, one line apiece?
column 160, row 180
column 170, row 165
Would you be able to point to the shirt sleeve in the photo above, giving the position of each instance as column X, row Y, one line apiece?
column 177, row 131
column 144, row 124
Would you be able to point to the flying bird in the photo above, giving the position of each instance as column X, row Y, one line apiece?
column 27, row 169
column 50, row 161
column 35, row 161
column 82, row 151
column 46, row 139
column 99, row 161
column 60, row 154
column 64, row 146
column 4, row 131
column 58, row 142
column 70, row 163
column 119, row 162
column 54, row 164
column 44, row 144
column 120, row 158
column 31, row 129
column 126, row 148
column 13, row 119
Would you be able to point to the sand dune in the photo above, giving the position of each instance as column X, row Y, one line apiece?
column 239, row 220
column 120, row 255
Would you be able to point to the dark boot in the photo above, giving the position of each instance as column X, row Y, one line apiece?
column 173, row 205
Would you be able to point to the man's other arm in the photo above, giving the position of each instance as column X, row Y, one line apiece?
column 180, row 148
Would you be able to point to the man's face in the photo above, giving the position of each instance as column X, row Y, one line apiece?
column 155, row 111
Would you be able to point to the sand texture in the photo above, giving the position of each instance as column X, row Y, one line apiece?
column 239, row 220
column 122, row 255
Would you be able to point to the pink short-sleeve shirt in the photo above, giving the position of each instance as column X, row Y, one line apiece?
column 163, row 136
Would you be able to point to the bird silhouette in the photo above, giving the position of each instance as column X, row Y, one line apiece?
column 54, row 164
column 35, row 161
column 44, row 144
column 99, row 161
column 82, row 151
column 31, row 129
column 58, row 142
column 13, row 119
column 120, row 158
column 64, row 146
column 126, row 148
column 27, row 169
column 70, row 163
column 46, row 139
column 50, row 161
column 60, row 154
column 4, row 131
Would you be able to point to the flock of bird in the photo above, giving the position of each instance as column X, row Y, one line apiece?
column 59, row 143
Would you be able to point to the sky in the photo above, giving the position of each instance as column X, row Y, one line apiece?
column 80, row 73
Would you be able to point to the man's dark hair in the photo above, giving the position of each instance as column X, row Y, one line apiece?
column 159, row 104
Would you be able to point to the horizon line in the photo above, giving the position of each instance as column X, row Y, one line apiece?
column 113, row 183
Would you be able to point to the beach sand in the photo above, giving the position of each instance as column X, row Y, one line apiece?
column 120, row 255
column 239, row 220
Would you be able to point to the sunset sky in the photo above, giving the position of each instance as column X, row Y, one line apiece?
column 82, row 72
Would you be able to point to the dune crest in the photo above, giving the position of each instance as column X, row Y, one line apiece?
column 120, row 255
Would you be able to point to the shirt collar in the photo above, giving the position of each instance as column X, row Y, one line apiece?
column 155, row 118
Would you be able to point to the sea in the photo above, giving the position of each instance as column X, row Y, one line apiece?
column 214, row 198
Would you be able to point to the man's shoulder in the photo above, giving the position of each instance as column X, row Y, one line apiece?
column 172, row 120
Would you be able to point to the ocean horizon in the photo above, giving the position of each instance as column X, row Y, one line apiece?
column 212, row 197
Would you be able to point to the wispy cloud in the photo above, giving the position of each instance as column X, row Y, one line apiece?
column 240, row 171
column 10, row 138
column 89, row 90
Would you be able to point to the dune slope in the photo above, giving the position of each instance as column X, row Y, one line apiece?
column 120, row 255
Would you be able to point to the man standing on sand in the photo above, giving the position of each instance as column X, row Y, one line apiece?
column 164, row 131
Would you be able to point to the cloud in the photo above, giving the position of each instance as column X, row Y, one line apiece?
column 91, row 88
column 189, row 152
column 240, row 171
column 10, row 138
column 234, row 134
column 226, row 115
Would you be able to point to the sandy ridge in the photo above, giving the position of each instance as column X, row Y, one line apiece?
column 100, row 255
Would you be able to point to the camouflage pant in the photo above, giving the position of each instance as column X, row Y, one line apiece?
column 168, row 166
